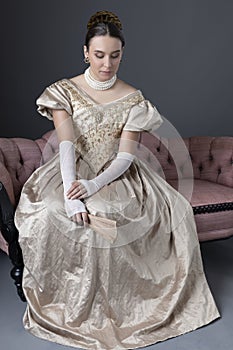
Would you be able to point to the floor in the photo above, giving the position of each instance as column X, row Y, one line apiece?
column 218, row 263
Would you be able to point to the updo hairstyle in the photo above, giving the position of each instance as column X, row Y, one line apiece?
column 104, row 23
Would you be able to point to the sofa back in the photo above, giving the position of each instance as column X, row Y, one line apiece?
column 211, row 157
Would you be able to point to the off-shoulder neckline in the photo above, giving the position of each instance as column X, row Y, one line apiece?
column 106, row 103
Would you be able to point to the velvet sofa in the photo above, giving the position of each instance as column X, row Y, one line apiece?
column 203, row 173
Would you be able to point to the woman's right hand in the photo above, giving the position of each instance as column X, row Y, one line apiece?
column 81, row 218
column 76, row 210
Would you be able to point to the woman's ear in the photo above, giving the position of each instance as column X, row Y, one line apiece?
column 85, row 51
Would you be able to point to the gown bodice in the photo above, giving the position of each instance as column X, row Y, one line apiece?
column 98, row 127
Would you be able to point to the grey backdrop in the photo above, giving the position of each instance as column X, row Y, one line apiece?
column 178, row 52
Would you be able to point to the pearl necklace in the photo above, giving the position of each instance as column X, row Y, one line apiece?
column 96, row 84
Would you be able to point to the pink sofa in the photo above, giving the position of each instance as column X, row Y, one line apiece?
column 212, row 162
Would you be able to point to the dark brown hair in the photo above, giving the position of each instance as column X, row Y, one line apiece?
column 104, row 23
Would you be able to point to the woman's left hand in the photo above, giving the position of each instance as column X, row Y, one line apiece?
column 81, row 189
column 77, row 191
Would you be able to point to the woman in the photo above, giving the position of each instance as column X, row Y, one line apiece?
column 112, row 259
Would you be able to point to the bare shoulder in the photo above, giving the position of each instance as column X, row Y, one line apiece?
column 124, row 87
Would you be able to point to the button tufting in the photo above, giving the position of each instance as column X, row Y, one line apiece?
column 219, row 170
column 200, row 167
column 211, row 157
column 158, row 149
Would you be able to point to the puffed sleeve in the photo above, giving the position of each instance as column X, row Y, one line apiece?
column 53, row 97
column 143, row 117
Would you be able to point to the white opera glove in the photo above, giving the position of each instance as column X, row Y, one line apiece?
column 118, row 166
column 68, row 173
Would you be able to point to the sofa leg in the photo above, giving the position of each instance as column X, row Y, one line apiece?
column 11, row 235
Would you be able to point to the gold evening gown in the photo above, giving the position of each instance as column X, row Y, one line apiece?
column 116, row 287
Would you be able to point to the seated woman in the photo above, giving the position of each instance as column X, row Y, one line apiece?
column 112, row 258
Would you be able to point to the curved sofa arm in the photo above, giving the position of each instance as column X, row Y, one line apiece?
column 19, row 157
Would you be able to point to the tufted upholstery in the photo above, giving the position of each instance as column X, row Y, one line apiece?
column 212, row 157
column 212, row 168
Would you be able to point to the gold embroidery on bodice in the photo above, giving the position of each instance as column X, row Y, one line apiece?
column 98, row 126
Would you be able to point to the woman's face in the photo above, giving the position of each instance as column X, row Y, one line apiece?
column 104, row 54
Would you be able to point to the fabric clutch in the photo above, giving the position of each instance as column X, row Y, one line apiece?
column 106, row 227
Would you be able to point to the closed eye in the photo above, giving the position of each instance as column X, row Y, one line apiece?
column 113, row 56
column 100, row 54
